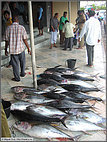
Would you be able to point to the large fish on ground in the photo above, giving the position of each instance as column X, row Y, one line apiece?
column 67, row 104
column 75, row 76
column 39, row 113
column 20, row 105
column 18, row 89
column 40, row 131
column 91, row 116
column 47, row 81
column 79, row 124
column 34, row 99
column 78, row 88
column 52, row 76
column 81, row 96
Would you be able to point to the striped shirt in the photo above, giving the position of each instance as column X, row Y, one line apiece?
column 15, row 35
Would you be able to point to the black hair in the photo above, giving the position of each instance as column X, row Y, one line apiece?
column 15, row 17
column 56, row 14
column 65, row 12
column 66, row 21
column 91, row 13
column 6, row 12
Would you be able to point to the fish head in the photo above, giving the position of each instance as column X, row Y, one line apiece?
column 20, row 96
column 18, row 89
column 23, row 125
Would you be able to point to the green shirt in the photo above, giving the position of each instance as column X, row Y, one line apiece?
column 62, row 20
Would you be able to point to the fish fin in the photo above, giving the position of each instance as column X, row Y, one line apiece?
column 57, row 66
column 63, row 120
column 86, row 133
column 77, row 137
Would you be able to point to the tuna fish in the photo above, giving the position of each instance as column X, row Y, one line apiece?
column 40, row 131
column 39, row 113
column 18, row 89
column 79, row 124
column 34, row 99
column 81, row 96
column 20, row 105
column 67, row 104
column 51, row 76
column 47, row 81
column 78, row 88
column 75, row 76
column 91, row 116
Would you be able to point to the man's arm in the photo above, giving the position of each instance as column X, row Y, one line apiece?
column 6, row 46
column 26, row 43
column 84, row 29
column 99, row 33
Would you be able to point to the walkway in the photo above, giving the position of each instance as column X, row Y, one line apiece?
column 46, row 58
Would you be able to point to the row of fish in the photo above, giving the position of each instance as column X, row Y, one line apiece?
column 43, row 112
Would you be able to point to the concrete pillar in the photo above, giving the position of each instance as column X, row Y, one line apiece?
column 32, row 45
column 69, row 10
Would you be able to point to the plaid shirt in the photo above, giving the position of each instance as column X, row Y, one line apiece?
column 15, row 35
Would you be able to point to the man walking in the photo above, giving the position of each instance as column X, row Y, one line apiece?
column 62, row 22
column 92, row 30
column 15, row 37
column 54, row 30
column 69, row 34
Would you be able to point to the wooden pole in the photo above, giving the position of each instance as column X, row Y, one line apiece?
column 32, row 45
column 69, row 10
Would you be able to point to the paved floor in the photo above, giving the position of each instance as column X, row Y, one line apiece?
column 45, row 58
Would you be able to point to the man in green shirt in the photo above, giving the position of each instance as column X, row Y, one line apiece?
column 62, row 22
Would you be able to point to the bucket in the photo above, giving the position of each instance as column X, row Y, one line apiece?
column 71, row 63
column 6, row 107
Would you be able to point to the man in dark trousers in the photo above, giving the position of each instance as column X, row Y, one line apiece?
column 92, row 30
column 15, row 38
column 62, row 22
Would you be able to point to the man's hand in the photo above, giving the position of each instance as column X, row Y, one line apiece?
column 29, row 52
column 6, row 52
column 78, row 39
column 98, row 40
column 39, row 21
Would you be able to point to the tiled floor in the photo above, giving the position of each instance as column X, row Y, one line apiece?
column 46, row 58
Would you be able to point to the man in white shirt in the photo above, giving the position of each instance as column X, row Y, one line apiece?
column 68, row 29
column 92, row 30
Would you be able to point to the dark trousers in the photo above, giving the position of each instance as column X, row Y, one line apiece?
column 62, row 37
column 17, row 59
column 69, row 43
column 90, row 54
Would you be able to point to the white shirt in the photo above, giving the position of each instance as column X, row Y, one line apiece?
column 92, row 30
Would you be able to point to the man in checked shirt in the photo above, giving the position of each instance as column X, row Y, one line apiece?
column 15, row 38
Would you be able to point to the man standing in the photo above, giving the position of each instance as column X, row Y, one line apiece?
column 80, row 22
column 69, row 34
column 40, row 20
column 15, row 37
column 62, row 22
column 54, row 30
column 92, row 30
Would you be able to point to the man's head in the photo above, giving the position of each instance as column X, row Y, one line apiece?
column 56, row 15
column 91, row 13
column 66, row 21
column 15, row 18
column 65, row 14
column 14, row 4
column 6, row 14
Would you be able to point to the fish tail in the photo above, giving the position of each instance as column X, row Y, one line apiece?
column 63, row 120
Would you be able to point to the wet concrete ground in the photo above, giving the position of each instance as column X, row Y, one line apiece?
column 46, row 58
